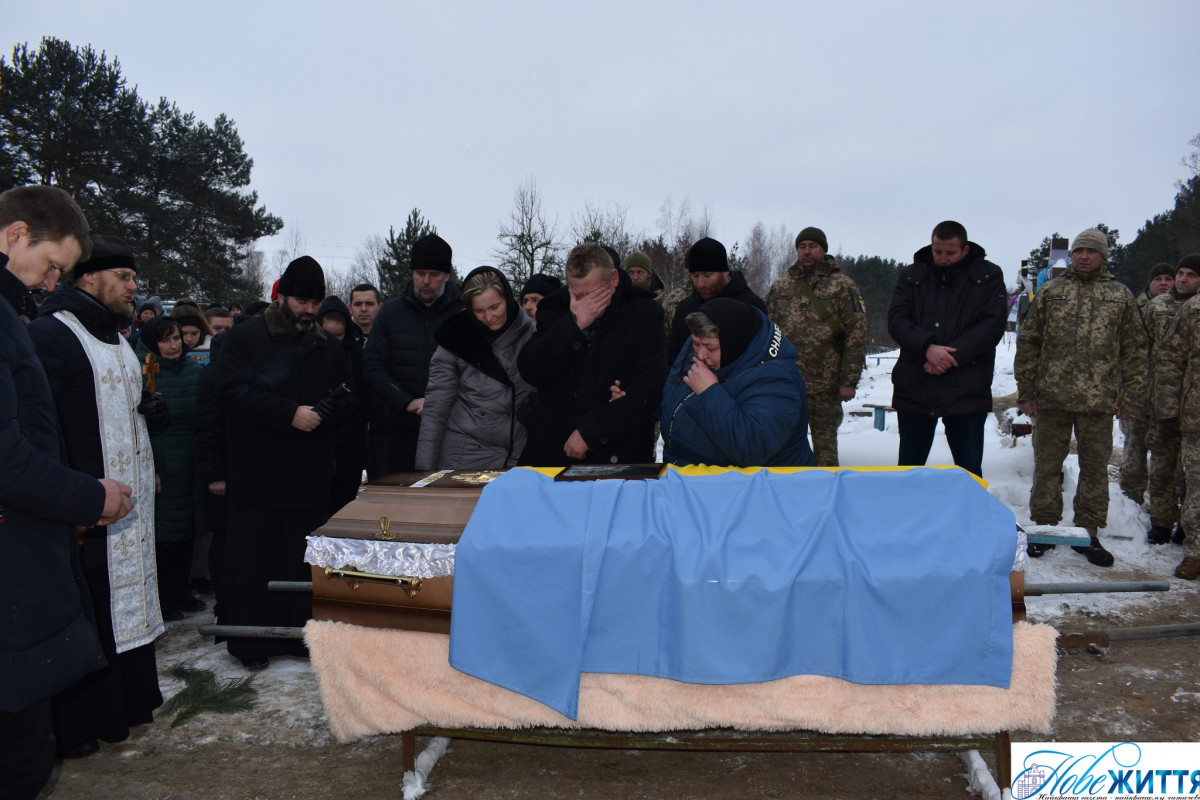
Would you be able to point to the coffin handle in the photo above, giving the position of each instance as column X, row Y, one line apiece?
column 410, row 584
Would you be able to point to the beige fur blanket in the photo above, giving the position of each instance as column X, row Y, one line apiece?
column 384, row 681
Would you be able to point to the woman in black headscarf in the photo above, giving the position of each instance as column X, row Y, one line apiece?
column 734, row 396
column 470, row 416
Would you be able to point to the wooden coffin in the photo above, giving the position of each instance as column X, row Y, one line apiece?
column 419, row 508
column 435, row 510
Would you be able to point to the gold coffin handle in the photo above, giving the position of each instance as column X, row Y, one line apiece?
column 411, row 585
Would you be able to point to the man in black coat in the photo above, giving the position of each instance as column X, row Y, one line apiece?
column 273, row 374
column 97, row 384
column 708, row 269
column 47, row 642
column 595, row 333
column 399, row 348
column 948, row 313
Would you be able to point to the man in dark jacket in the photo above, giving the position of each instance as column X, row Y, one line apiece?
column 350, row 449
column 947, row 314
column 596, row 332
column 397, row 354
column 46, row 640
column 274, row 373
column 97, row 385
column 734, row 396
column 708, row 269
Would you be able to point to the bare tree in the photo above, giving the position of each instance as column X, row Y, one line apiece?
column 528, row 241
column 366, row 258
column 1192, row 159
column 679, row 230
column 294, row 246
column 606, row 226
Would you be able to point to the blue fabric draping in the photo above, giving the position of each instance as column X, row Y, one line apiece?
column 873, row 577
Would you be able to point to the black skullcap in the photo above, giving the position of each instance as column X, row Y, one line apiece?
column 431, row 252
column 737, row 323
column 542, row 284
column 303, row 279
column 706, row 255
column 108, row 252
column 1162, row 268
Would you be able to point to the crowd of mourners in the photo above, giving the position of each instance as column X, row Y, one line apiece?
column 150, row 461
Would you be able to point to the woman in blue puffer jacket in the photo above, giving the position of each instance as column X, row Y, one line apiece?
column 734, row 396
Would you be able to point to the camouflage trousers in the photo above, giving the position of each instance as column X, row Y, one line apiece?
column 1189, row 516
column 1166, row 477
column 1133, row 459
column 824, row 419
column 1051, row 442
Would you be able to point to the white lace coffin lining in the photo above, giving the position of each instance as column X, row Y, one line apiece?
column 382, row 558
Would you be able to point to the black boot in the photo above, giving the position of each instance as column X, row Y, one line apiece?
column 1037, row 550
column 1096, row 553
column 1177, row 538
column 1158, row 534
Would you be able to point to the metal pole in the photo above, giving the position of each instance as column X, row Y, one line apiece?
column 1153, row 632
column 289, row 586
column 255, row 631
column 1102, row 587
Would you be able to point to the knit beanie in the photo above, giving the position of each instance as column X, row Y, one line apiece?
column 1190, row 261
column 1093, row 240
column 637, row 259
column 108, row 252
column 811, row 234
column 303, row 279
column 1161, row 268
column 542, row 284
column 431, row 252
column 706, row 255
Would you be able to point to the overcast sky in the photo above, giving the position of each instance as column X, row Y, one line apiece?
column 871, row 120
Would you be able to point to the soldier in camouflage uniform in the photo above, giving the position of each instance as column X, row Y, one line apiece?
column 671, row 301
column 1081, row 352
column 1177, row 399
column 1135, row 431
column 832, row 343
column 1164, row 437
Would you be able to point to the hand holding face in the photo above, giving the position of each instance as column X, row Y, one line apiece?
column 699, row 377
column 588, row 308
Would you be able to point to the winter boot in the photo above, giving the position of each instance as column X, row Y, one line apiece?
column 1158, row 534
column 1177, row 537
column 1096, row 553
column 1037, row 550
column 1188, row 569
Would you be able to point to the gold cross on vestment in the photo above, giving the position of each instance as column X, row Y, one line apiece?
column 150, row 369
column 110, row 379
column 124, row 543
column 120, row 461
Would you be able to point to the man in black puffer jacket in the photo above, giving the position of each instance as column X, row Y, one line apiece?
column 397, row 354
column 947, row 314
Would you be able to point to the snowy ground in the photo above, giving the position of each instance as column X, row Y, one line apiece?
column 290, row 710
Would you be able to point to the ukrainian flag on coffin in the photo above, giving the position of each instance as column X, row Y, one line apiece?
column 738, row 576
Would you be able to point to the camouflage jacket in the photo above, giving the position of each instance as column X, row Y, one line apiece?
column 1082, row 346
column 1177, row 369
column 1159, row 315
column 823, row 368
column 672, row 299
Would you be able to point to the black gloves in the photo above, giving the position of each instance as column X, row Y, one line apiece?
column 154, row 408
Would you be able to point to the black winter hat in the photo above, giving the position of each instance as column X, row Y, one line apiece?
column 1162, row 268
column 542, row 284
column 707, row 255
column 303, row 279
column 431, row 252
column 1190, row 261
column 108, row 252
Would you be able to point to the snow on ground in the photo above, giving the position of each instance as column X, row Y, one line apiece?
column 290, row 710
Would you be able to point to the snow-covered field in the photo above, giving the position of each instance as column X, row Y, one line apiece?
column 290, row 710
